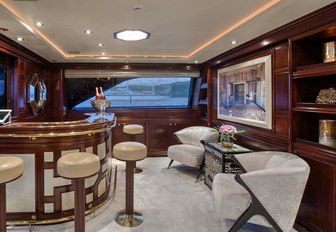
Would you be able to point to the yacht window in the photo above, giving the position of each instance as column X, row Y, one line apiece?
column 140, row 92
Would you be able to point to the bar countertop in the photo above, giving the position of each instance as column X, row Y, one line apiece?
column 92, row 124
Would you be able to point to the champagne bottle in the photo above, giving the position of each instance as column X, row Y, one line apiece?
column 102, row 95
column 97, row 94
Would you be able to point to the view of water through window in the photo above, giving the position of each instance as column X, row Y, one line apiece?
column 142, row 92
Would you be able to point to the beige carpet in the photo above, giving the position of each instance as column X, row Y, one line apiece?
column 170, row 200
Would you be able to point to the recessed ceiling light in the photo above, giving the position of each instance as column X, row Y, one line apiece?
column 233, row 42
column 19, row 39
column 100, row 44
column 196, row 61
column 103, row 53
column 265, row 42
column 88, row 32
column 39, row 24
column 131, row 35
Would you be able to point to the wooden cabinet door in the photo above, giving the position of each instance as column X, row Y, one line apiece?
column 161, row 136
column 317, row 209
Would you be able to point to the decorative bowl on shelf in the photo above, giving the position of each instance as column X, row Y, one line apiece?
column 327, row 96
column 101, row 105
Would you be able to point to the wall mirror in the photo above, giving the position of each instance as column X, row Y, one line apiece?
column 36, row 93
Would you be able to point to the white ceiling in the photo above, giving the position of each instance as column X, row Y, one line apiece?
column 182, row 31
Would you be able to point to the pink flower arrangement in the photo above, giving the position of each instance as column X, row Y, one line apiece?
column 228, row 131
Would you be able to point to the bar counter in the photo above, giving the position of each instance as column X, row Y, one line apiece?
column 40, row 195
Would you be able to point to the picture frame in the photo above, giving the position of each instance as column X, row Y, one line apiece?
column 244, row 92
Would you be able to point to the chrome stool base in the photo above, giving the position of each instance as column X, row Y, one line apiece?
column 129, row 220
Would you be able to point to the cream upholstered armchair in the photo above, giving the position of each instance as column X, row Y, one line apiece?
column 271, row 188
column 190, row 151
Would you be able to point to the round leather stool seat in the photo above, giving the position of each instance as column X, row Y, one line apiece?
column 129, row 151
column 78, row 165
column 10, row 168
column 133, row 129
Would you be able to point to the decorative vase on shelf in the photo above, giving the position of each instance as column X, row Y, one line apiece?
column 101, row 105
column 327, row 132
column 227, row 142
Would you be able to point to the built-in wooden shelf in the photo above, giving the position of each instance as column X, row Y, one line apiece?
column 301, row 143
column 313, row 70
column 315, row 108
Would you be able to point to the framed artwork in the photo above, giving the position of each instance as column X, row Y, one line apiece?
column 245, row 93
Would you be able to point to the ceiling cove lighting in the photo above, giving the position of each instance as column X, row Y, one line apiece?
column 234, row 26
column 131, row 35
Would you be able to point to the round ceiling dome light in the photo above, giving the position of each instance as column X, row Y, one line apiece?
column 131, row 35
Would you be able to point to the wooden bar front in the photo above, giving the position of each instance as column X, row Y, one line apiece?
column 41, row 195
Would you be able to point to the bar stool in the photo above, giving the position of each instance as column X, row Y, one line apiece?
column 11, row 168
column 77, row 166
column 133, row 130
column 129, row 152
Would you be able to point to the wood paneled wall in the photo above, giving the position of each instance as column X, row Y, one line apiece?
column 25, row 63
column 317, row 210
column 159, row 126
column 255, row 137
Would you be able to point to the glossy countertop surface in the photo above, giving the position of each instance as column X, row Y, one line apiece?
column 92, row 119
column 92, row 123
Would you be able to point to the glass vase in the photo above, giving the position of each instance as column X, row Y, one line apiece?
column 227, row 142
